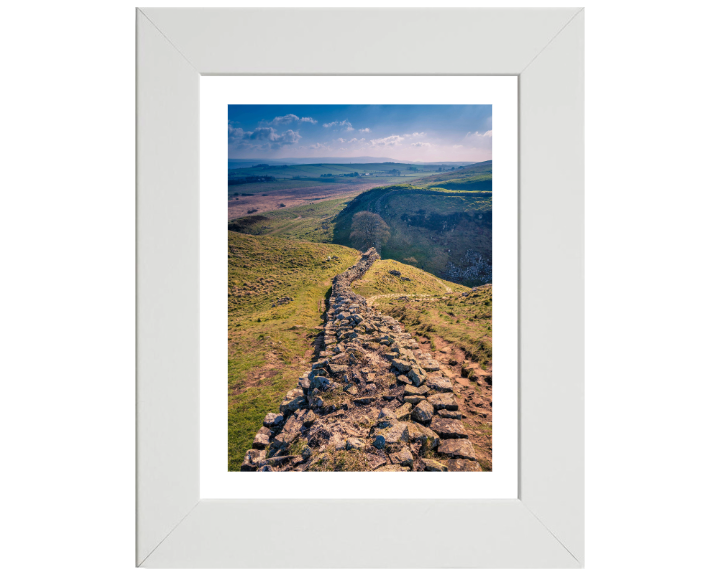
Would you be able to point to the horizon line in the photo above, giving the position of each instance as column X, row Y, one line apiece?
column 384, row 162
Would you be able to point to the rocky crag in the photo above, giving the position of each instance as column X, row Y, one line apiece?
column 372, row 402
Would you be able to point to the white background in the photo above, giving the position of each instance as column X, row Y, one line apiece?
column 215, row 94
column 67, row 372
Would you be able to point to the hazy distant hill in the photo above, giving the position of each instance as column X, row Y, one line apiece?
column 235, row 162
column 246, row 162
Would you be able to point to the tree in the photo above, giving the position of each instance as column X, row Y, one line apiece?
column 368, row 230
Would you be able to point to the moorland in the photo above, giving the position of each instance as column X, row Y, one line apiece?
column 301, row 225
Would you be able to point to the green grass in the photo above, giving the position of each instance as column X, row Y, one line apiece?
column 378, row 280
column 473, row 177
column 470, row 184
column 312, row 222
column 268, row 348
column 465, row 321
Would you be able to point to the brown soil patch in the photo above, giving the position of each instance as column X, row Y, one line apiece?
column 474, row 398
column 260, row 376
column 240, row 205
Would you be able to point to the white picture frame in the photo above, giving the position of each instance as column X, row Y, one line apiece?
column 544, row 527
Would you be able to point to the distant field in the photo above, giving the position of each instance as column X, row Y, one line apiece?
column 441, row 223
column 311, row 222
column 476, row 177
column 288, row 184
column 276, row 200
column 336, row 170
column 263, row 187
column 259, row 197
column 269, row 347
column 294, row 185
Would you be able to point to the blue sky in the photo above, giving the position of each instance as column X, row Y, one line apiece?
column 449, row 133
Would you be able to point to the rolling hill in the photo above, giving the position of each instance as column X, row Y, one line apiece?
column 441, row 223
column 382, row 279
column 476, row 177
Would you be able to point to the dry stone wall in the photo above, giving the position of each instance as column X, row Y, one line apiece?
column 372, row 402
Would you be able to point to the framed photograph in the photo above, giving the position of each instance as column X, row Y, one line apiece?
column 360, row 250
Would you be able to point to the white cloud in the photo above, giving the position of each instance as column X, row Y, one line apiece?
column 415, row 135
column 340, row 124
column 421, row 144
column 341, row 140
column 487, row 134
column 356, row 140
column 287, row 119
column 263, row 137
column 364, row 130
column 393, row 140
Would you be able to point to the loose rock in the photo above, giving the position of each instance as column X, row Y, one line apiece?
column 448, row 428
column 457, row 449
column 423, row 412
column 440, row 401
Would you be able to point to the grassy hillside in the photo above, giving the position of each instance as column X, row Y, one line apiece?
column 476, row 177
column 268, row 347
column 463, row 319
column 412, row 280
column 471, row 184
column 447, row 233
column 312, row 222
column 457, row 314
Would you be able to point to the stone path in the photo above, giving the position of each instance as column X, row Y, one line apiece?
column 372, row 402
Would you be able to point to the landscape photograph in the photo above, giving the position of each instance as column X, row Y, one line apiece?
column 360, row 288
